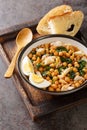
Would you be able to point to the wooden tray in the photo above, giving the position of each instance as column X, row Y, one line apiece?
column 37, row 103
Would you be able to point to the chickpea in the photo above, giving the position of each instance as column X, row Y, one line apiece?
column 77, row 73
column 48, row 73
column 52, row 65
column 58, row 89
column 47, row 51
column 64, row 64
column 57, row 59
column 75, row 69
column 30, row 55
column 85, row 70
column 64, row 52
column 55, row 78
column 53, row 74
column 72, row 57
column 69, row 65
column 51, row 69
column 67, row 79
column 50, row 81
column 46, row 45
column 41, row 69
column 70, row 52
column 73, row 84
column 42, row 46
column 38, row 53
column 58, row 76
column 51, row 51
column 34, row 57
column 38, row 60
column 34, row 62
column 80, row 81
column 56, row 72
column 56, row 82
column 77, row 84
column 85, row 76
column 54, row 86
column 78, row 57
column 67, row 47
column 51, row 88
column 76, row 64
column 67, row 54
column 48, row 78
column 59, row 86
column 43, row 52
column 53, row 47
column 56, row 53
column 61, row 81
column 61, row 53
column 71, row 48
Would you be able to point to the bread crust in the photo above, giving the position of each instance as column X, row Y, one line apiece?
column 64, row 23
column 57, row 11
column 61, row 17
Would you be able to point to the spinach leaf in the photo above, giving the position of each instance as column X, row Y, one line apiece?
column 38, row 65
column 82, row 64
column 81, row 72
column 47, row 68
column 65, row 59
column 72, row 74
column 61, row 48
column 61, row 68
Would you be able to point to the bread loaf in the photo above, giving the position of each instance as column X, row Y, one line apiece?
column 61, row 20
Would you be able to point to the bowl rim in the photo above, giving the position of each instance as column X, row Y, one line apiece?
column 36, row 40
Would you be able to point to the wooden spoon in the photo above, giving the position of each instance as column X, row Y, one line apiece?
column 23, row 38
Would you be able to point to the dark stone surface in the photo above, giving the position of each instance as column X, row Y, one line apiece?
column 13, row 113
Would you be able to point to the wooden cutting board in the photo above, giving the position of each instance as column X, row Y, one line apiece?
column 37, row 103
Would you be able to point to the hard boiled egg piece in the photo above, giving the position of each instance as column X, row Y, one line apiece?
column 27, row 66
column 38, row 81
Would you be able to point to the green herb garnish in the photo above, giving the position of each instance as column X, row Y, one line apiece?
column 47, row 68
column 72, row 74
column 82, row 64
column 61, row 48
column 65, row 59
column 61, row 68
column 81, row 72
column 38, row 65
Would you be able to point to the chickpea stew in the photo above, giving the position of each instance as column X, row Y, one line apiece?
column 62, row 64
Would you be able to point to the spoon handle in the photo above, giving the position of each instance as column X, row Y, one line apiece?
column 11, row 67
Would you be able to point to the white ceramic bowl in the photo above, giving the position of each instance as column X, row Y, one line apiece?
column 47, row 39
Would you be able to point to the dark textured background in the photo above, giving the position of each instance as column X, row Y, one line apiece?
column 13, row 113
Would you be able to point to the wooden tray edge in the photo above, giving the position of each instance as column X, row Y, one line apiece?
column 32, row 109
column 11, row 32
